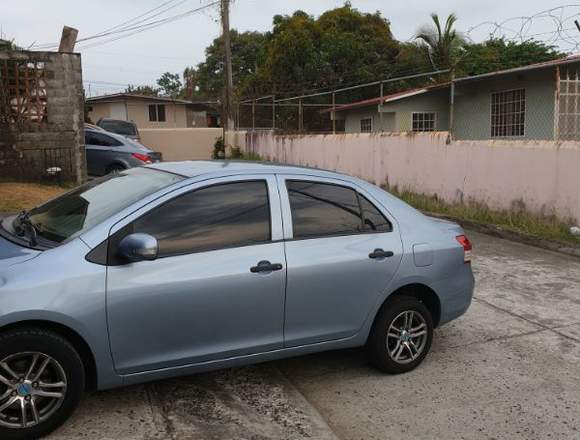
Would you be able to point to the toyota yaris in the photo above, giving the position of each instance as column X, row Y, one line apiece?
column 177, row 268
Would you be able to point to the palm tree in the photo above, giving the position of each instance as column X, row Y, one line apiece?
column 442, row 45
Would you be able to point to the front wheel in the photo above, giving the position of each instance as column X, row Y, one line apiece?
column 401, row 335
column 41, row 382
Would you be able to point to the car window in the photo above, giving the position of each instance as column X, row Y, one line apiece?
column 215, row 217
column 320, row 209
column 374, row 220
column 88, row 205
column 119, row 127
column 101, row 140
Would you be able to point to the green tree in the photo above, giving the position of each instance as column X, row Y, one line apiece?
column 170, row 84
column 142, row 90
column 498, row 54
column 442, row 44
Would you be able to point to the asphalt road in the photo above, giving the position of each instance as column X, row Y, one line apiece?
column 508, row 369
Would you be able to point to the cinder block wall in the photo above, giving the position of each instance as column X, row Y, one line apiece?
column 43, row 113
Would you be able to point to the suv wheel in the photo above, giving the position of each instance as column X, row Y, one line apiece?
column 41, row 382
column 401, row 336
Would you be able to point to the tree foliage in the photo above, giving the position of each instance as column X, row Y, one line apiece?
column 170, row 84
column 142, row 90
column 343, row 46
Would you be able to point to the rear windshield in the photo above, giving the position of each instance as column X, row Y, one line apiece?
column 90, row 204
column 119, row 127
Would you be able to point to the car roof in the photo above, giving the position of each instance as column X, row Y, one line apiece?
column 195, row 168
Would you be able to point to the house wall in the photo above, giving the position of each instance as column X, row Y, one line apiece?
column 473, row 105
column 398, row 115
column 138, row 112
column 99, row 110
column 543, row 175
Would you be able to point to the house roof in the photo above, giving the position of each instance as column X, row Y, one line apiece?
column 121, row 96
column 387, row 98
column 530, row 67
column 418, row 91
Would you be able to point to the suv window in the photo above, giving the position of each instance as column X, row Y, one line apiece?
column 99, row 139
column 320, row 209
column 120, row 127
column 215, row 217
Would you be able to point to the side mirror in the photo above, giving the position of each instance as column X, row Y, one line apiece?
column 139, row 247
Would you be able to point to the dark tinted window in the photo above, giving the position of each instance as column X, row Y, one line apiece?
column 102, row 140
column 161, row 113
column 323, row 209
column 373, row 219
column 153, row 113
column 119, row 127
column 233, row 214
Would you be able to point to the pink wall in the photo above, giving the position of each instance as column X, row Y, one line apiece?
column 544, row 175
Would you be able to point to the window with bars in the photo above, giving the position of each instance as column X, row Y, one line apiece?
column 157, row 113
column 508, row 113
column 366, row 125
column 424, row 121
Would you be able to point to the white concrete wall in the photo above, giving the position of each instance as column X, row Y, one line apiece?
column 543, row 174
column 181, row 143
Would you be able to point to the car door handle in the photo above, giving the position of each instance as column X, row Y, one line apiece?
column 266, row 266
column 379, row 253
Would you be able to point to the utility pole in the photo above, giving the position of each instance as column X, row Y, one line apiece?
column 228, row 105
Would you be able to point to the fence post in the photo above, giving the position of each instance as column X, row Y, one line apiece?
column 300, row 116
column 273, row 112
column 253, row 115
column 452, row 106
column 557, row 103
column 333, row 113
column 381, row 109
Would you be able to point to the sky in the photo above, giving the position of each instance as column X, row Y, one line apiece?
column 140, row 59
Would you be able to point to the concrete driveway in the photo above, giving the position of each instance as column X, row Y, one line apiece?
column 508, row 369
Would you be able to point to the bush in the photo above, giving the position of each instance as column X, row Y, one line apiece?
column 219, row 151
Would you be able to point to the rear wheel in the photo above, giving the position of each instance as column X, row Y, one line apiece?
column 401, row 336
column 115, row 168
column 41, row 382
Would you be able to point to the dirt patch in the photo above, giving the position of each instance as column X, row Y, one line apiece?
column 16, row 196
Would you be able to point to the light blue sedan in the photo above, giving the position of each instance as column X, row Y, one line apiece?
column 177, row 268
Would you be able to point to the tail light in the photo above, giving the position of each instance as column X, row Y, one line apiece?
column 467, row 247
column 142, row 157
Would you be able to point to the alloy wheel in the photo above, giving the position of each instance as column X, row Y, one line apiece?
column 407, row 337
column 33, row 387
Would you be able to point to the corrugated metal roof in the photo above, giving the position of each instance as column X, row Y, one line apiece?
column 547, row 64
column 387, row 98
column 117, row 96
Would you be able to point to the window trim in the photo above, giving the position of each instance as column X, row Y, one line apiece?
column 523, row 135
column 346, row 185
column 371, row 124
column 435, row 120
column 127, row 228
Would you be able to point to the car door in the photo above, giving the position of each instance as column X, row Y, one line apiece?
column 100, row 150
column 206, row 296
column 342, row 250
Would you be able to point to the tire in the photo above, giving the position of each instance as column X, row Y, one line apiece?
column 63, row 370
column 115, row 168
column 390, row 349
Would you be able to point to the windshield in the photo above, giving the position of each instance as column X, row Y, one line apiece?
column 88, row 205
column 119, row 127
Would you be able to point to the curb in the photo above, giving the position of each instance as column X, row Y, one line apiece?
column 518, row 237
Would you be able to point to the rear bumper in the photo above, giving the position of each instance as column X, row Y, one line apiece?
column 455, row 294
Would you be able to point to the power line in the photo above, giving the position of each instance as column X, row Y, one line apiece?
column 136, row 28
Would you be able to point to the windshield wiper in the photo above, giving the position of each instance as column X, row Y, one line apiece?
column 23, row 225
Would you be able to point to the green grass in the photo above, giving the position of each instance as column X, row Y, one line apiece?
column 237, row 154
column 543, row 226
